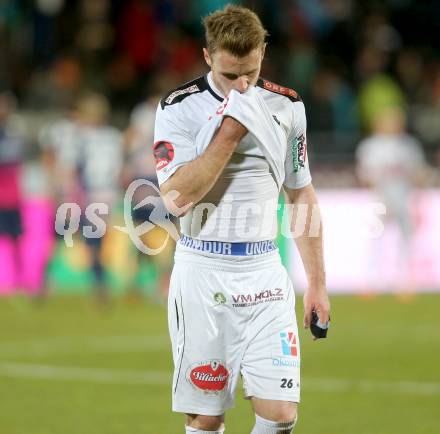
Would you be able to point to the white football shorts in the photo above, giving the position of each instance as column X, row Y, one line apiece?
column 231, row 316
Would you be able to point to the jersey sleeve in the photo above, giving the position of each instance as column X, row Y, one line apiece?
column 173, row 146
column 297, row 164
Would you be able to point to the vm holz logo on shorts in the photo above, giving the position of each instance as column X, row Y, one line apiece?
column 210, row 377
column 163, row 154
column 288, row 344
column 265, row 296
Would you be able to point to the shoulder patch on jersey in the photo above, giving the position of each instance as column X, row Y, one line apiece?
column 163, row 153
column 180, row 93
column 276, row 88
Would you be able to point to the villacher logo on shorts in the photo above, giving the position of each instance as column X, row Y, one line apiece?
column 210, row 377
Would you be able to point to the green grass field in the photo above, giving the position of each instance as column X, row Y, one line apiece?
column 67, row 367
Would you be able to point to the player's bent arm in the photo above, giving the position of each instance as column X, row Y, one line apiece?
column 310, row 247
column 194, row 180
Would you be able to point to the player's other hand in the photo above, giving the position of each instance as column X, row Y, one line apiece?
column 316, row 300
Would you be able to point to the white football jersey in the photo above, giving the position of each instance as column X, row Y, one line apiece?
column 242, row 204
column 100, row 161
column 385, row 159
column 61, row 137
column 141, row 158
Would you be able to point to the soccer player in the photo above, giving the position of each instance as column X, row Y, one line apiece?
column 99, row 164
column 391, row 162
column 231, row 302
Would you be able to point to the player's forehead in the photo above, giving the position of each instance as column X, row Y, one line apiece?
column 226, row 62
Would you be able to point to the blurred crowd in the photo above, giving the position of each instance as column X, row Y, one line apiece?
column 80, row 81
column 346, row 58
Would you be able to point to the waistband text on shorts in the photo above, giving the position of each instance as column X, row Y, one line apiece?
column 230, row 249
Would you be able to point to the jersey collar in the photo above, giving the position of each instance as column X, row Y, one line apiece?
column 213, row 90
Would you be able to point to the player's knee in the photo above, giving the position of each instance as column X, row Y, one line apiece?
column 285, row 413
column 283, row 425
column 205, row 423
column 276, row 411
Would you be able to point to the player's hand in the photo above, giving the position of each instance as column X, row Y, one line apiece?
column 316, row 300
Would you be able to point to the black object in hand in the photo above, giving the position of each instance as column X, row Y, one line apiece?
column 318, row 329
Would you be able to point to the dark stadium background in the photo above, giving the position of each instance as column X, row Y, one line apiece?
column 77, row 357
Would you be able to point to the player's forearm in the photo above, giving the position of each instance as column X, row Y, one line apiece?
column 309, row 240
column 194, row 180
column 311, row 252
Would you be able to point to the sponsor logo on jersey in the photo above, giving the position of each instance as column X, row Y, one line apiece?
column 176, row 93
column 163, row 154
column 288, row 343
column 279, row 89
column 299, row 152
column 265, row 296
column 210, row 377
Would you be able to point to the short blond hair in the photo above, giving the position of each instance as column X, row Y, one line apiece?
column 236, row 29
